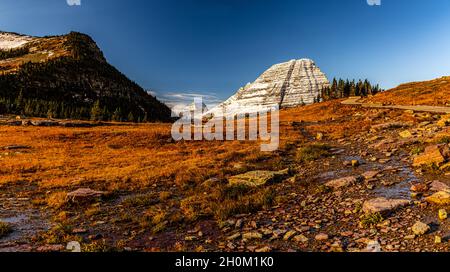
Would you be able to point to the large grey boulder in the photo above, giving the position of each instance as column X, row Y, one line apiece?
column 383, row 205
column 257, row 178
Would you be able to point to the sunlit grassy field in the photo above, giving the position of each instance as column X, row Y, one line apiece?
column 153, row 182
column 434, row 93
column 135, row 156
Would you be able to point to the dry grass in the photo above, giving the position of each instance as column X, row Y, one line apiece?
column 164, row 180
column 434, row 92
column 141, row 200
column 313, row 152
column 57, row 200
column 136, row 156
column 5, row 229
column 243, row 200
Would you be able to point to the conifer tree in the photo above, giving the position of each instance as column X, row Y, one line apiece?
column 96, row 112
column 117, row 115
column 130, row 117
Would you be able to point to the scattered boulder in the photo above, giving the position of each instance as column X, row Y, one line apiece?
column 445, row 121
column 342, row 182
column 289, row 235
column 44, row 123
column 234, row 237
column 373, row 247
column 319, row 136
column 445, row 167
column 277, row 233
column 383, row 205
column 419, row 188
column 438, row 186
column 437, row 239
column 443, row 214
column 321, row 237
column 263, row 249
column 420, row 228
column 16, row 147
column 370, row 174
column 405, row 134
column 301, row 239
column 73, row 246
column 26, row 123
column 79, row 231
column 51, row 248
column 441, row 198
column 252, row 236
column 258, row 178
column 84, row 195
column 445, row 150
column 390, row 144
column 431, row 156
column 14, row 123
column 388, row 126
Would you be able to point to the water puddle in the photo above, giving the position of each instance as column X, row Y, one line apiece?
column 25, row 225
column 14, row 220
column 397, row 191
column 394, row 171
column 329, row 175
column 400, row 190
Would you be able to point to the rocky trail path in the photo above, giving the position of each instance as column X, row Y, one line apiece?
column 368, row 196
column 322, row 212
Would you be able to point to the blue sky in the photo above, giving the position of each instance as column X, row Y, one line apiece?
column 213, row 47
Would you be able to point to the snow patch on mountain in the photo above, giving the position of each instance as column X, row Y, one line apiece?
column 10, row 41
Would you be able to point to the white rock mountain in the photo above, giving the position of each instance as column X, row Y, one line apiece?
column 289, row 84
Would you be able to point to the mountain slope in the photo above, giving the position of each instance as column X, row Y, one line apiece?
column 68, row 77
column 434, row 93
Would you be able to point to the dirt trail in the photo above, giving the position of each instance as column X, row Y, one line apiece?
column 355, row 101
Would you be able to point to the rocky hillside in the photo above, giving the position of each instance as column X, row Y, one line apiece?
column 434, row 93
column 69, row 77
column 289, row 84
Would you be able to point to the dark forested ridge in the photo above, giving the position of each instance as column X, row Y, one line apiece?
column 79, row 84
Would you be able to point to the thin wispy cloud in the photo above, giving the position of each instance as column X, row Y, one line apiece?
column 74, row 2
column 180, row 101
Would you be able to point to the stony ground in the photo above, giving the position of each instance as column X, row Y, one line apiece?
column 367, row 192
